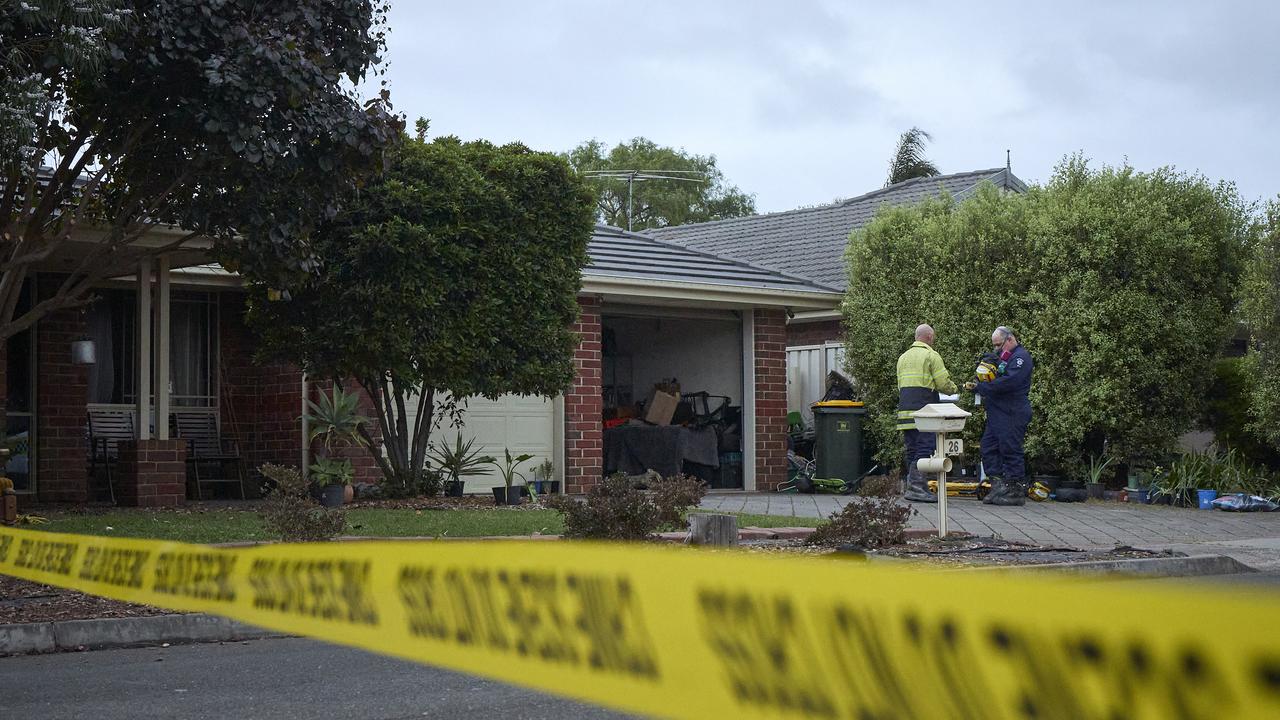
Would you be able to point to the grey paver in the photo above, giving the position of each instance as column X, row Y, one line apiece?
column 1093, row 524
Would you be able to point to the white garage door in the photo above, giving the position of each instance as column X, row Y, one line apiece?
column 519, row 423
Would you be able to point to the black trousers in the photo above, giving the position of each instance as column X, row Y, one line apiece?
column 917, row 445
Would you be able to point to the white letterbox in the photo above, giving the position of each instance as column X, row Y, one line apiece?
column 940, row 418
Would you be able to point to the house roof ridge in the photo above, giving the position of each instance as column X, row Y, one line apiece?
column 910, row 182
column 984, row 174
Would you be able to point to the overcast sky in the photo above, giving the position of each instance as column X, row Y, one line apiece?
column 802, row 102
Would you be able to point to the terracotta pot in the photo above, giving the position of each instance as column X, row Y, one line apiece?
column 348, row 493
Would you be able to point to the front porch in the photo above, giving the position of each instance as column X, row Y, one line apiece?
column 220, row 408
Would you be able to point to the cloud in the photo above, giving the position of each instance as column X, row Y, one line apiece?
column 802, row 102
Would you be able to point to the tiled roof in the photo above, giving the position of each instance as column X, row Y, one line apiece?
column 809, row 243
column 617, row 253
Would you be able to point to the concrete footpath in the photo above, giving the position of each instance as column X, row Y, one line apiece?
column 1251, row 538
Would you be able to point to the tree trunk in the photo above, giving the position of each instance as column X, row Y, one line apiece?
column 713, row 529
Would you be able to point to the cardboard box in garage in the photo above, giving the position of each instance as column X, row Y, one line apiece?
column 661, row 407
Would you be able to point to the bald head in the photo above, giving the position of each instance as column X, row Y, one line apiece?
column 924, row 334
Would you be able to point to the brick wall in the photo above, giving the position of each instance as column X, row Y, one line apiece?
column 152, row 473
column 584, row 405
column 771, row 398
column 62, row 391
column 262, row 402
column 814, row 333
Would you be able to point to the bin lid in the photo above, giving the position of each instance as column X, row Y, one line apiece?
column 838, row 403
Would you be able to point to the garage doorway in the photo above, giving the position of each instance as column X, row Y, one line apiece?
column 700, row 353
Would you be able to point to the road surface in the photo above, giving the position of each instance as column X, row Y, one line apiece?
column 275, row 679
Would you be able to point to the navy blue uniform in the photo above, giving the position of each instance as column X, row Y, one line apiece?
column 1008, row 414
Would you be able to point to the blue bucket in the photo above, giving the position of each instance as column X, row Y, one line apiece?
column 1206, row 498
column 1139, row 496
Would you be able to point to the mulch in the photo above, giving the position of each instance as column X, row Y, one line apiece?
column 22, row 601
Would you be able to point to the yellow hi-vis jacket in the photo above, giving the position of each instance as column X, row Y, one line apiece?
column 921, row 376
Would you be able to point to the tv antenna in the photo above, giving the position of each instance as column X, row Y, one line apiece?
column 634, row 176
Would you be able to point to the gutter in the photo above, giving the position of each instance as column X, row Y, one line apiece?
column 815, row 316
column 658, row 291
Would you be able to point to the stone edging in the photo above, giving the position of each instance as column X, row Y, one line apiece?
column 106, row 633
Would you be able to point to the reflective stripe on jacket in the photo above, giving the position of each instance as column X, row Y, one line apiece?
column 921, row 376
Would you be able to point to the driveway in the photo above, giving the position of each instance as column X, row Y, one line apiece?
column 1253, row 538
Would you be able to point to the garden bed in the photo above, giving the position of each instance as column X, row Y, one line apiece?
column 22, row 601
column 964, row 552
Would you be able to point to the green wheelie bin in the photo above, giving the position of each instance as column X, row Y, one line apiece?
column 838, row 450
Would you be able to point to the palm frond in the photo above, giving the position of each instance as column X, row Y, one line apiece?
column 908, row 159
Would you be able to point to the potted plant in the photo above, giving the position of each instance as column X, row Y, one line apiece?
column 457, row 462
column 336, row 420
column 542, row 481
column 1139, row 487
column 333, row 476
column 509, row 495
column 1097, row 465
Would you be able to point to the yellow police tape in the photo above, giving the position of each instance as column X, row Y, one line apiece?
column 698, row 634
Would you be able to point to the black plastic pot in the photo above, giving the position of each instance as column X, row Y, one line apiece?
column 331, row 495
column 453, row 488
column 1072, row 484
column 1071, row 495
column 1096, row 490
column 500, row 496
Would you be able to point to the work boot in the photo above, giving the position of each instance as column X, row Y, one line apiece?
column 997, row 487
column 918, row 488
column 1015, row 493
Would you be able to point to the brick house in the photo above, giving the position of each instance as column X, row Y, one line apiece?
column 651, row 311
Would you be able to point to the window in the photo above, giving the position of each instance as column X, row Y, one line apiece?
column 193, row 349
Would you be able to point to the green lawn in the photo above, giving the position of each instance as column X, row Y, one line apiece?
column 215, row 526
column 231, row 525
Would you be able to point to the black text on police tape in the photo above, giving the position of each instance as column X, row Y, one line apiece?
column 321, row 589
column 49, row 556
column 121, row 567
column 202, row 575
column 593, row 621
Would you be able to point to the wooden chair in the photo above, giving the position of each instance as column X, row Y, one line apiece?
column 206, row 447
column 107, row 428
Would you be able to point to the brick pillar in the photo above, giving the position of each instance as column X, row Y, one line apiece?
column 584, row 405
column 152, row 473
column 62, row 392
column 771, row 398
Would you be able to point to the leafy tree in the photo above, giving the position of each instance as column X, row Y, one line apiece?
column 232, row 119
column 1261, row 309
column 454, row 274
column 700, row 196
column 1120, row 283
column 908, row 159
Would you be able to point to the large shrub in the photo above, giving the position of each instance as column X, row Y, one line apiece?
column 454, row 274
column 1261, row 309
column 1120, row 283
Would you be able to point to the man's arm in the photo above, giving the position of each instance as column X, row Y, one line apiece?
column 941, row 378
column 1016, row 377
